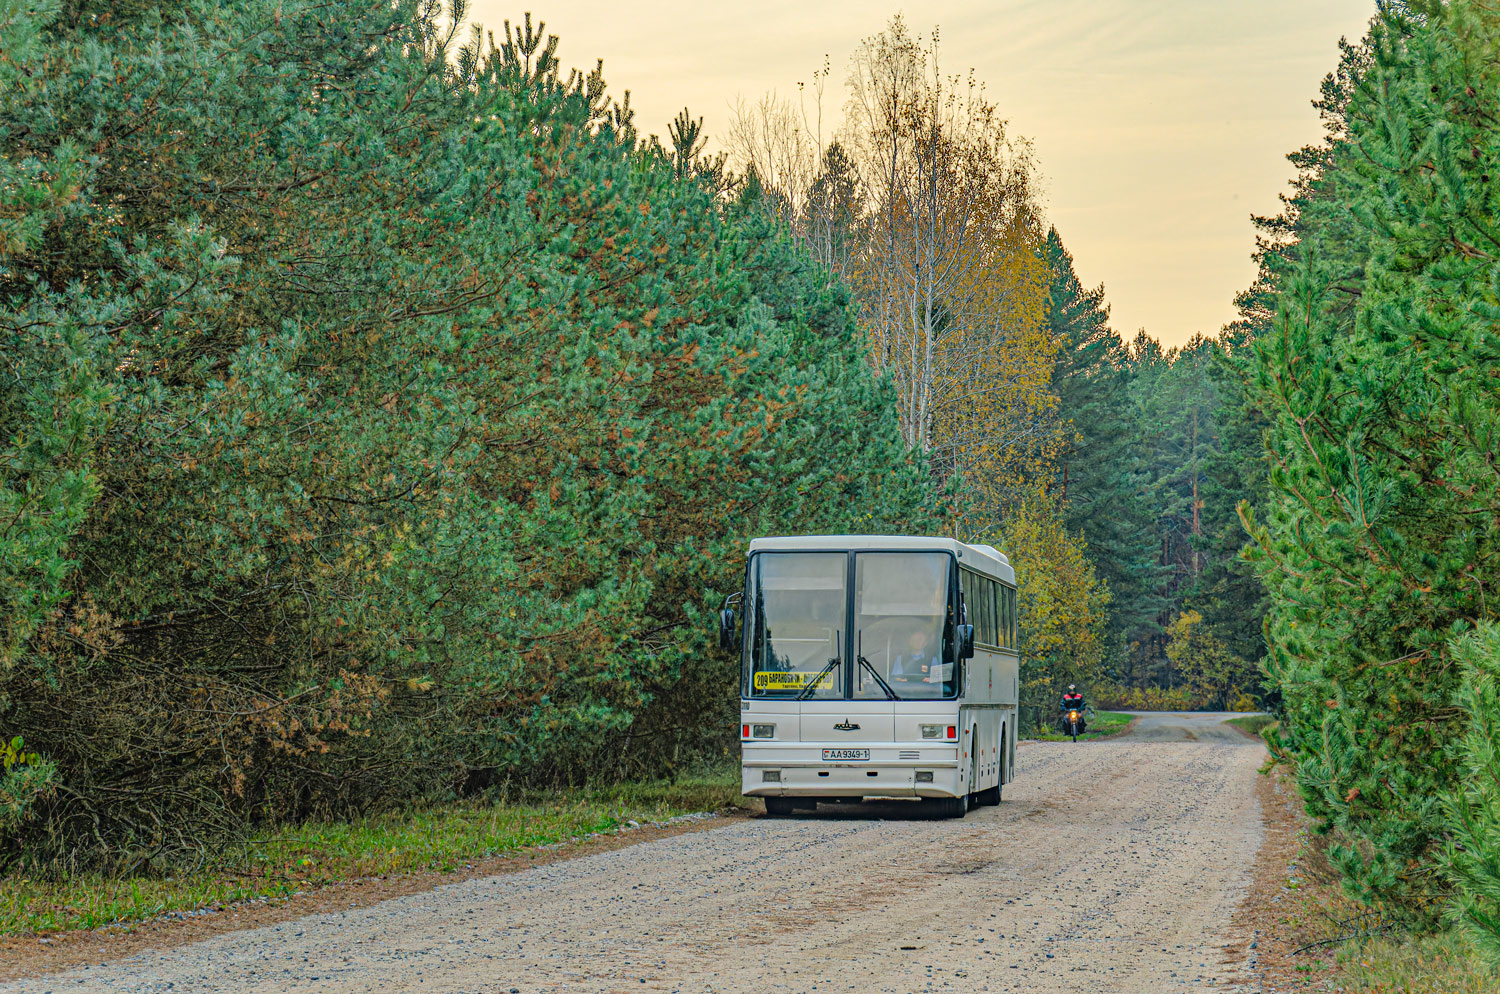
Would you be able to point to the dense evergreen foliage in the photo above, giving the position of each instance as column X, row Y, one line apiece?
column 381, row 417
column 1375, row 366
column 1099, row 468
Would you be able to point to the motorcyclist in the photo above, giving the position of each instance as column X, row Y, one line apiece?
column 1072, row 700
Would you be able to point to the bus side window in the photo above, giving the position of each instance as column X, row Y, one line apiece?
column 998, row 592
column 1003, row 607
column 971, row 601
column 958, row 612
column 987, row 597
column 992, row 630
column 1011, row 619
column 1010, row 616
column 996, row 638
column 1005, row 614
column 982, row 592
column 974, row 603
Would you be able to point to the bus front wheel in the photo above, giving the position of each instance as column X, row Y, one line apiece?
column 780, row 807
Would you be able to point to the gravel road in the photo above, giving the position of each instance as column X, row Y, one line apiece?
column 1111, row 866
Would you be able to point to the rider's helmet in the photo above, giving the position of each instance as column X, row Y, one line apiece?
column 1072, row 686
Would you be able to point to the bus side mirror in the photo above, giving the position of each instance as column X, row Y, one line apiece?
column 726, row 629
column 965, row 641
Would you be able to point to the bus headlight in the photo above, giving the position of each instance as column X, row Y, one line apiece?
column 763, row 731
column 949, row 732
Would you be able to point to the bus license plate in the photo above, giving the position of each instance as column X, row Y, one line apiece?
column 846, row 754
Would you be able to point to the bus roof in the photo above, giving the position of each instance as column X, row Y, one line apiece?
column 984, row 558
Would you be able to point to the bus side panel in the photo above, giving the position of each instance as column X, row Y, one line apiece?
column 990, row 757
column 993, row 680
column 982, row 737
column 987, row 683
column 1016, row 717
column 1008, row 675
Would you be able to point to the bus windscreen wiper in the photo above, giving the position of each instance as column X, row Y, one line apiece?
column 890, row 694
column 859, row 648
column 813, row 683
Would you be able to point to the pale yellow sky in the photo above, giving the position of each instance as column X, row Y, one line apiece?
column 1159, row 127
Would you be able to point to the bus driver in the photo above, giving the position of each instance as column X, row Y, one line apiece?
column 919, row 663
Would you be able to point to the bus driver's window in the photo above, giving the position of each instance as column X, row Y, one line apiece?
column 901, row 602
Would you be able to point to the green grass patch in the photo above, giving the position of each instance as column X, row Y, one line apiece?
column 1434, row 964
column 439, row 838
column 1104, row 725
column 1252, row 723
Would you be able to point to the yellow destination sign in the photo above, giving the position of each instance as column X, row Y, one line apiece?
column 790, row 680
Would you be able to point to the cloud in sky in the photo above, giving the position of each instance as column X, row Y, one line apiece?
column 1160, row 127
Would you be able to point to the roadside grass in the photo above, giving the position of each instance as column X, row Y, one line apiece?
column 1107, row 724
column 1313, row 937
column 1436, row 964
column 439, row 838
column 1341, row 954
column 1252, row 723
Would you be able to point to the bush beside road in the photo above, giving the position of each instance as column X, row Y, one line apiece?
column 1252, row 724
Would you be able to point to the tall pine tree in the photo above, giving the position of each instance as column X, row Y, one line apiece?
column 1380, row 539
column 1100, row 478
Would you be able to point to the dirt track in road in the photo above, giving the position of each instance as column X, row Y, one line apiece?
column 1111, row 866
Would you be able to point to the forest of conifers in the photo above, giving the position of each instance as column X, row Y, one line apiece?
column 385, row 415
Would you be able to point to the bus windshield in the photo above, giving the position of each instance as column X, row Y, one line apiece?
column 900, row 619
column 797, row 615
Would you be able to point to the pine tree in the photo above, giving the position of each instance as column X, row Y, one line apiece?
column 1471, row 855
column 51, row 402
column 1378, row 541
column 834, row 211
column 1100, row 476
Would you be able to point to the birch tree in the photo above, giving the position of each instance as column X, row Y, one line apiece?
column 925, row 205
column 949, row 283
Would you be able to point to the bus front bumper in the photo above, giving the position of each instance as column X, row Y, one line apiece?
column 772, row 776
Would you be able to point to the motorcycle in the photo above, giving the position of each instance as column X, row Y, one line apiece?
column 1073, row 723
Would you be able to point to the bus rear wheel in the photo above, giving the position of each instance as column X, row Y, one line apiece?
column 780, row 807
column 950, row 807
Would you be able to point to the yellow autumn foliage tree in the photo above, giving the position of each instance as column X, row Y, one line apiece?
column 925, row 205
column 1002, row 433
column 949, row 282
column 1062, row 604
column 1215, row 677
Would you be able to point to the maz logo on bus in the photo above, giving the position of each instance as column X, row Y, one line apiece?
column 845, row 726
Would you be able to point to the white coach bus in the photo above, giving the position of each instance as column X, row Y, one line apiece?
column 876, row 666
